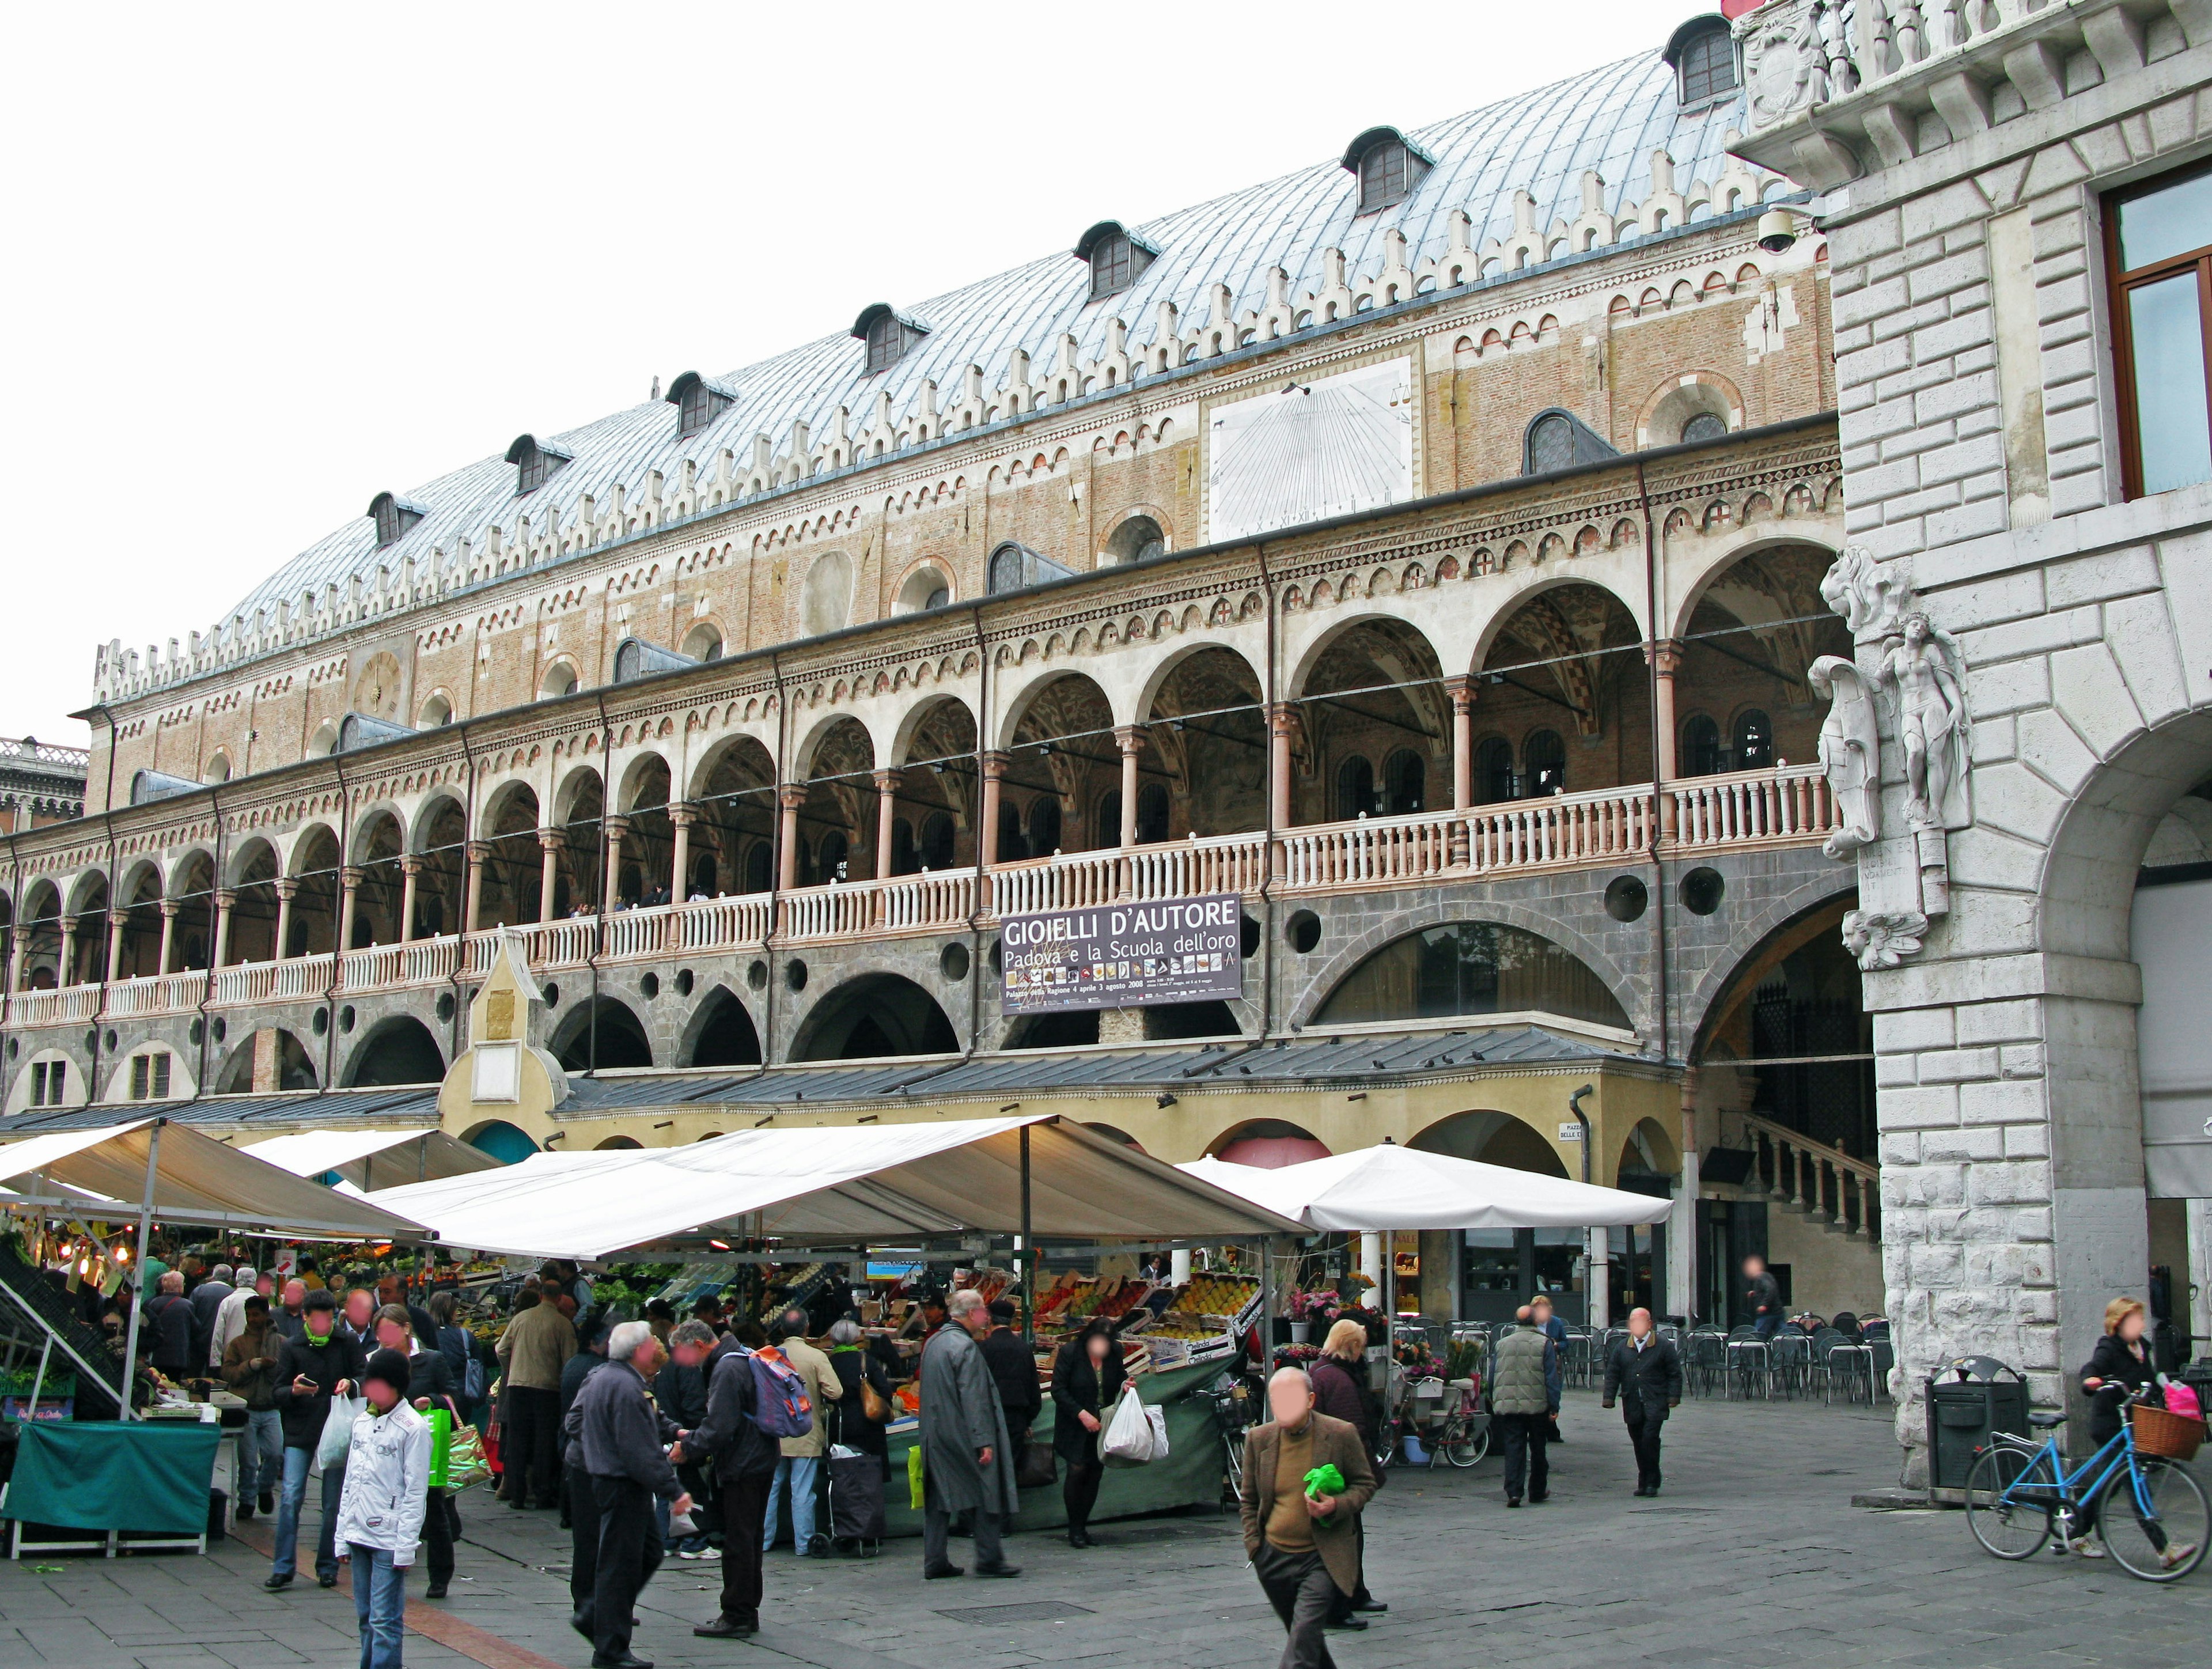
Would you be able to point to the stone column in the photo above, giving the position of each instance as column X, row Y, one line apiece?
column 1130, row 739
column 349, row 890
column 681, row 816
column 987, row 837
column 611, row 869
column 788, row 798
column 550, row 843
column 410, row 873
column 1282, row 731
column 169, row 908
column 479, row 853
column 224, row 900
column 1597, row 1287
column 1666, row 657
column 1461, row 691
column 19, row 947
column 65, row 967
column 887, row 787
column 1682, row 1226
column 117, row 921
column 287, row 888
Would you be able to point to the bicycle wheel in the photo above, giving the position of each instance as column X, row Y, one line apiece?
column 1384, row 1450
column 2178, row 1518
column 2012, row 1528
column 1464, row 1443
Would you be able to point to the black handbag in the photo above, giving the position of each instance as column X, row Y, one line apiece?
column 1037, row 1469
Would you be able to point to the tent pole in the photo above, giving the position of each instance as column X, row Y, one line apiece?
column 1267, row 1306
column 138, row 1309
column 1028, row 1257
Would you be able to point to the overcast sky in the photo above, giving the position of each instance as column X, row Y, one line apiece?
column 267, row 261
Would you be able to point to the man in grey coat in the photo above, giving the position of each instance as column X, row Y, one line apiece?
column 968, row 1464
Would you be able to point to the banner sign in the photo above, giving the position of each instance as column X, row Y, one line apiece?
column 1123, row 956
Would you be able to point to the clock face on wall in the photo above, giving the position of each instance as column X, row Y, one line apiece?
column 378, row 692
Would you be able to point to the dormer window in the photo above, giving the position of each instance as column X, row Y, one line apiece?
column 394, row 516
column 888, row 333
column 1388, row 165
column 698, row 402
column 536, row 462
column 1703, row 54
column 1117, row 259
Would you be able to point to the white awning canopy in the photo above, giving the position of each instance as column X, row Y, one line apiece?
column 1390, row 1187
column 196, row 1180
column 838, row 1186
column 371, row 1159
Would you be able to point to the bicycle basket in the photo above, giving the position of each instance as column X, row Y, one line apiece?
column 2160, row 1431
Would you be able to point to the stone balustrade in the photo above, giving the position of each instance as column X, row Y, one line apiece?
column 1826, row 1183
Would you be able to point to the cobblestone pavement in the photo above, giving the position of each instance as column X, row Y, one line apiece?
column 1753, row 1555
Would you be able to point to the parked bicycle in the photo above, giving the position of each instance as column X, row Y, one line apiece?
column 2149, row 1512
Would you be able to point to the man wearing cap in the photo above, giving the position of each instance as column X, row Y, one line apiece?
column 1013, row 1370
column 381, row 1510
column 322, row 1362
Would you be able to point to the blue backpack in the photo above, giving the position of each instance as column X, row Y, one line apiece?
column 781, row 1407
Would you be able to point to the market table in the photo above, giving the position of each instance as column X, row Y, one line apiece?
column 148, row 1478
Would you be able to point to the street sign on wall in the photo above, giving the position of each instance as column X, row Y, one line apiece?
column 1123, row 956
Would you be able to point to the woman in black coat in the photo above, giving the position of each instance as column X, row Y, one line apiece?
column 854, row 1364
column 1087, row 1376
column 2119, row 1368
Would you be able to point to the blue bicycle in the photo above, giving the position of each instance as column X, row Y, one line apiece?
column 2145, row 1508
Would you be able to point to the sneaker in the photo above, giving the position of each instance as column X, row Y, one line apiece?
column 2177, row 1553
column 698, row 1550
column 2082, row 1547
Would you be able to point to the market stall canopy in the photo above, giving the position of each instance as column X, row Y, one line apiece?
column 1390, row 1187
column 370, row 1160
column 196, row 1180
column 838, row 1186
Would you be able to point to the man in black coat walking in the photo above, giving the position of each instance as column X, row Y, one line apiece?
column 742, row 1457
column 1645, row 1373
column 619, row 1432
column 1013, row 1370
column 323, row 1361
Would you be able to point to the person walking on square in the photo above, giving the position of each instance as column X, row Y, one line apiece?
column 799, row 1468
column 968, row 1465
column 381, row 1506
column 321, row 1363
column 430, row 1388
column 1521, row 1408
column 1555, row 1364
column 532, row 1350
column 730, row 1446
column 249, row 1372
column 1340, row 1377
column 1645, row 1373
column 1087, row 1376
column 1762, row 1297
column 1302, row 1544
column 620, row 1434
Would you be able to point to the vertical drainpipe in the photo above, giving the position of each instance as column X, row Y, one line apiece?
column 608, row 867
column 1268, row 846
column 983, row 733
column 775, row 857
column 337, row 922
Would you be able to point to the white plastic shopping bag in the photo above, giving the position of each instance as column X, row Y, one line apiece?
column 1156, row 1417
column 1128, row 1439
column 338, row 1431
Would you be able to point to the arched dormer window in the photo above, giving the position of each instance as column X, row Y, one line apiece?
column 1558, row 439
column 1013, row 566
column 1702, row 53
column 698, row 402
column 1388, row 165
column 536, row 462
column 888, row 333
column 1117, row 258
column 394, row 516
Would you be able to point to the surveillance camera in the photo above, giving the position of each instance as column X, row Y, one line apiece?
column 1777, row 230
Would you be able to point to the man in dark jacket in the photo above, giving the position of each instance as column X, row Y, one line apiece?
column 1645, row 1372
column 742, row 1457
column 205, row 1299
column 576, row 1501
column 620, row 1433
column 681, row 1391
column 170, row 1318
column 1013, row 1370
column 323, row 1361
column 1762, row 1296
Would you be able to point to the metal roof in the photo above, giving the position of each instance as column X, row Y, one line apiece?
column 1609, row 120
column 336, row 1107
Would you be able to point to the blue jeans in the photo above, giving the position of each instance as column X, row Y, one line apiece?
column 297, row 1462
column 380, row 1601
column 798, row 1473
column 1767, row 1326
column 260, row 1454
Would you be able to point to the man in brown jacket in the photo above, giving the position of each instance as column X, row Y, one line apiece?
column 1304, row 1547
column 535, row 1348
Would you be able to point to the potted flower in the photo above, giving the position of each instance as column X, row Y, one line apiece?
column 1304, row 1306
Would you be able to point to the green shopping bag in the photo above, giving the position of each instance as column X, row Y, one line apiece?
column 914, row 1478
column 442, row 1447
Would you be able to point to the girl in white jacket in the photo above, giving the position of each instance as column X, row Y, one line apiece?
column 387, row 1485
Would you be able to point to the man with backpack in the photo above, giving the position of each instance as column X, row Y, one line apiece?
column 735, row 1442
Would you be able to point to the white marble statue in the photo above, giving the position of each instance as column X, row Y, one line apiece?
column 1923, row 671
column 1850, row 753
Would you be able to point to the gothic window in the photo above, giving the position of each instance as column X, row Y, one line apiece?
column 1706, row 66
column 760, row 864
column 2159, row 247
column 1551, row 444
column 1544, row 763
column 1108, row 821
column 1355, row 789
column 1755, row 740
column 1013, row 847
column 831, row 856
column 1704, row 426
column 1701, row 746
column 1493, row 770
column 1405, row 783
column 904, row 859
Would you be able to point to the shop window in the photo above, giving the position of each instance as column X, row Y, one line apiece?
column 1755, row 740
column 1701, row 746
column 1544, row 763
column 2159, row 250
column 1493, row 770
column 1470, row 968
column 1355, row 789
column 1151, row 814
column 1406, row 781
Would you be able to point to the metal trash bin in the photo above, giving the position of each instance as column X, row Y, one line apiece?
column 1981, row 1395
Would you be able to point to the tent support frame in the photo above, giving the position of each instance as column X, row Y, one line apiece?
column 138, row 1268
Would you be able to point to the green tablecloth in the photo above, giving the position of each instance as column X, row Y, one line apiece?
column 1189, row 1476
column 104, row 1475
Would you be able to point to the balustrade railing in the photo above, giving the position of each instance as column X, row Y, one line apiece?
column 841, row 909
column 942, row 899
column 1204, row 864
column 1825, row 1182
column 1748, row 807
column 1372, row 850
column 156, row 993
column 1597, row 826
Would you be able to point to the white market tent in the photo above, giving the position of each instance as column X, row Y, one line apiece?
column 844, row 1186
column 1390, row 1187
column 371, row 1159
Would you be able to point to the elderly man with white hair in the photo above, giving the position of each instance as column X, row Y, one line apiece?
column 967, row 1462
column 1301, row 1533
column 623, row 1438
